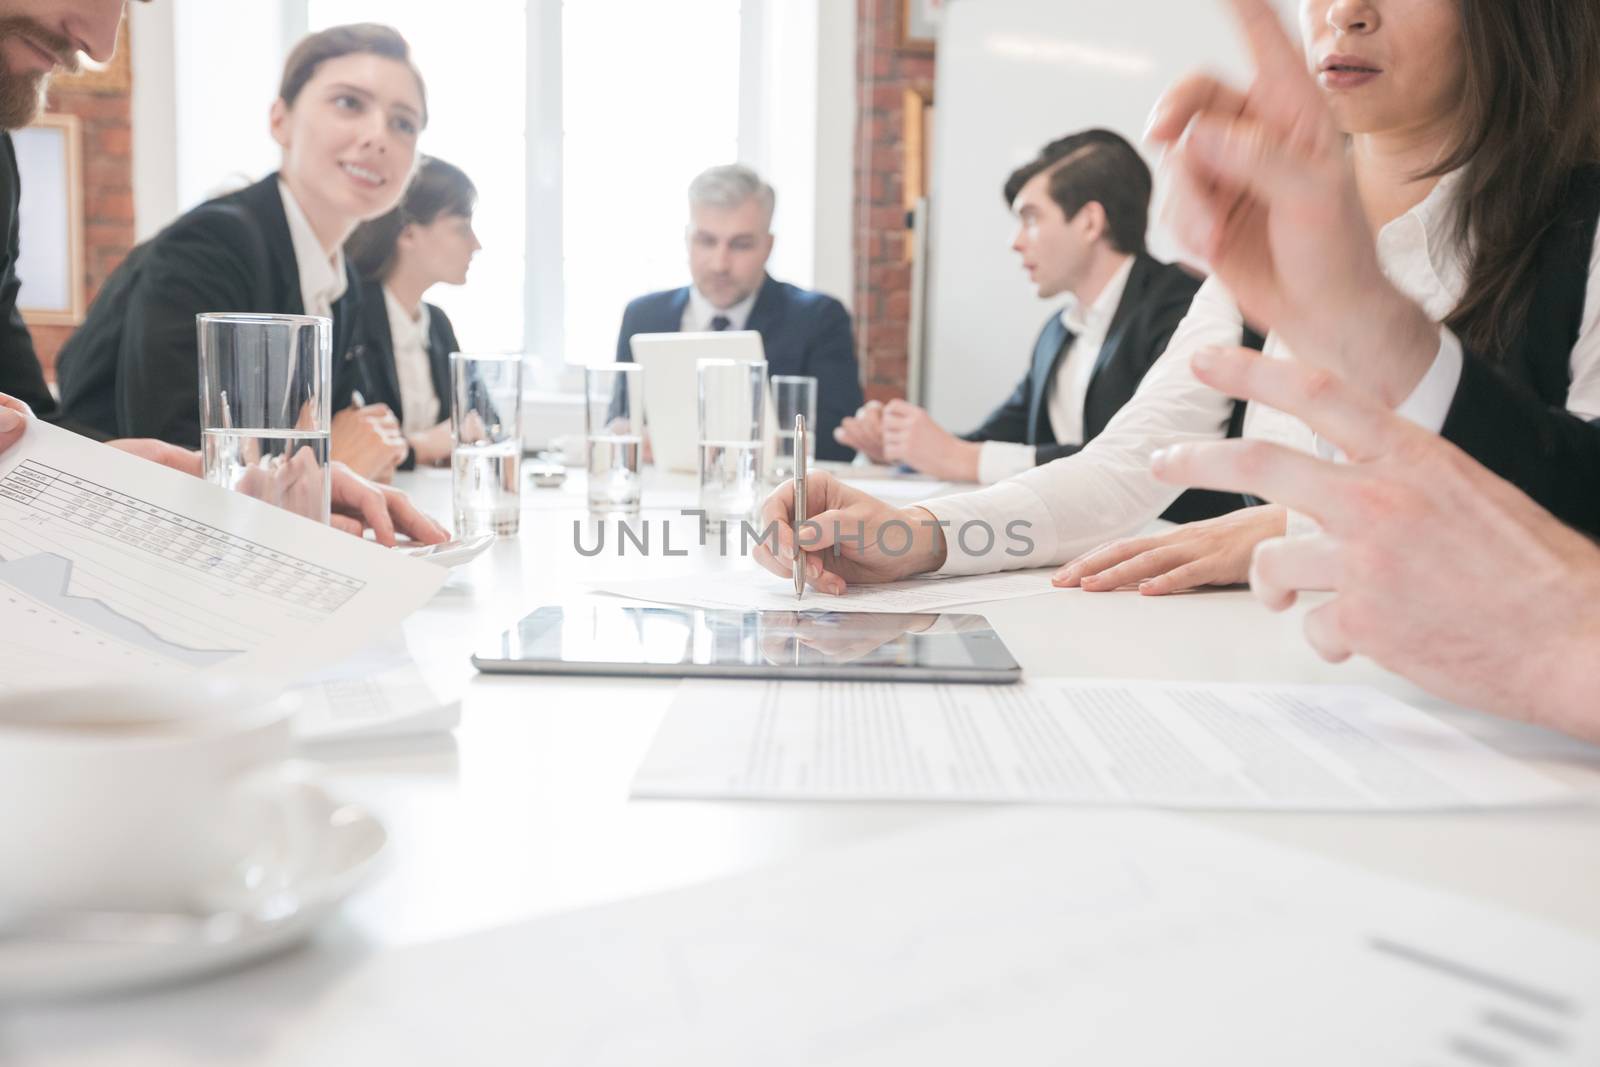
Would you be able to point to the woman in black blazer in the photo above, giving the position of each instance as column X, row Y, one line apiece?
column 403, row 344
column 349, row 111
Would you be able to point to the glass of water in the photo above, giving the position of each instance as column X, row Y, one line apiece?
column 792, row 394
column 486, row 426
column 732, row 409
column 264, row 408
column 614, row 436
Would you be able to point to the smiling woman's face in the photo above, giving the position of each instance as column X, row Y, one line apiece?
column 1386, row 66
column 350, row 138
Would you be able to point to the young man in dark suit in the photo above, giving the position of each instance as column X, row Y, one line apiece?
column 802, row 332
column 1082, row 206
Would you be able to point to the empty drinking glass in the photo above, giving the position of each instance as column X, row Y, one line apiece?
column 264, row 410
column 486, row 460
column 792, row 395
column 732, row 410
column 614, row 436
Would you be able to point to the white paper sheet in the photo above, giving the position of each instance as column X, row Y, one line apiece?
column 112, row 566
column 1086, row 742
column 1020, row 938
column 397, row 703
column 906, row 491
column 379, row 693
column 754, row 589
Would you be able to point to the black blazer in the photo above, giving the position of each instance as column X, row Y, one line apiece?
column 802, row 332
column 132, row 368
column 21, row 375
column 1154, row 301
column 371, row 358
column 1509, row 412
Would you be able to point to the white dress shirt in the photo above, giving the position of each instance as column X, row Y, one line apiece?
column 998, row 460
column 322, row 277
column 1106, row 490
column 419, row 402
column 699, row 311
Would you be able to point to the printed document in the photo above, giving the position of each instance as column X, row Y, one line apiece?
column 112, row 566
column 1161, row 744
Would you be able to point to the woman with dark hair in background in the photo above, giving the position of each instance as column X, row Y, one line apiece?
column 403, row 344
column 349, row 111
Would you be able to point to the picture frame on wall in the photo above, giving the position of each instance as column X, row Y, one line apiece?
column 919, row 24
column 50, row 221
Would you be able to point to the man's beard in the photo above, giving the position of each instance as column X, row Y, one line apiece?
column 22, row 96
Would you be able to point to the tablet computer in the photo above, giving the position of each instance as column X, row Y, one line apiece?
column 682, row 642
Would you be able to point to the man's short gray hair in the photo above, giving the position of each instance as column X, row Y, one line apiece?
column 731, row 185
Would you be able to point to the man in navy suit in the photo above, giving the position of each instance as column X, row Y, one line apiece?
column 802, row 332
column 1082, row 206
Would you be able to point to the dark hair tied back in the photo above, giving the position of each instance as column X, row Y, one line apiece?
column 438, row 188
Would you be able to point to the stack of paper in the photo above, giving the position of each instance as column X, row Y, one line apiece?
column 377, row 693
column 394, row 703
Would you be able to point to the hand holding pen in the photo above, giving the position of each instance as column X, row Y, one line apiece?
column 800, row 514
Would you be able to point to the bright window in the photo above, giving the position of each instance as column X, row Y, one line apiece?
column 650, row 96
column 477, row 105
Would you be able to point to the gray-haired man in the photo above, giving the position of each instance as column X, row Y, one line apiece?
column 730, row 238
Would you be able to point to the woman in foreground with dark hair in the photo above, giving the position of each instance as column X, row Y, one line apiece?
column 1474, row 138
column 405, row 344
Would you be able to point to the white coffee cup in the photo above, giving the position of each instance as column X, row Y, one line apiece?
column 139, row 796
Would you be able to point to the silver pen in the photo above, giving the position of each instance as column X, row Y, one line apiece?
column 800, row 515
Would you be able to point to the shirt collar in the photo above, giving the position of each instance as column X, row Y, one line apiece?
column 322, row 278
column 703, row 311
column 1103, row 308
column 1420, row 251
column 402, row 323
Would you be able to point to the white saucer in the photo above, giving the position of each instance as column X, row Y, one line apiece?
column 38, row 965
column 451, row 553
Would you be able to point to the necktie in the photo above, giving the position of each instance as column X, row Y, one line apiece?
column 720, row 323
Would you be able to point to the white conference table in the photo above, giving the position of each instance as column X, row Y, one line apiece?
column 525, row 811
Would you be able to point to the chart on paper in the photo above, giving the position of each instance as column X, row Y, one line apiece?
column 97, row 582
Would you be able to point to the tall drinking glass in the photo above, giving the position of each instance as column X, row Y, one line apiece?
column 732, row 410
column 264, row 408
column 486, row 426
column 614, row 436
column 792, row 394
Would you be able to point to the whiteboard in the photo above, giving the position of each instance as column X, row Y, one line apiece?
column 1013, row 75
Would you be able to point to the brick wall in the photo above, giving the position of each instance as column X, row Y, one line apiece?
column 103, row 106
column 886, row 70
